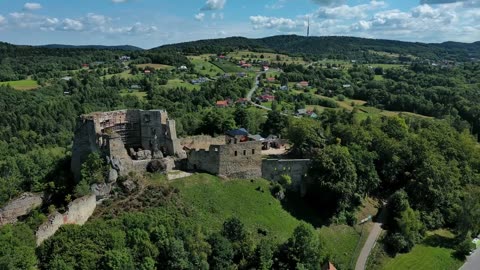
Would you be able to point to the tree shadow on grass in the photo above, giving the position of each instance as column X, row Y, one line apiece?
column 436, row 240
column 301, row 209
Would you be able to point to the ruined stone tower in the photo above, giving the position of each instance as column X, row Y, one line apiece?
column 129, row 138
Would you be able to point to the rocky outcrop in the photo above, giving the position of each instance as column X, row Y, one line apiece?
column 20, row 207
column 79, row 211
column 101, row 191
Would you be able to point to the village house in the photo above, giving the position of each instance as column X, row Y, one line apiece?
column 242, row 101
column 271, row 79
column 303, row 84
column 266, row 98
column 246, row 66
column 265, row 68
column 222, row 104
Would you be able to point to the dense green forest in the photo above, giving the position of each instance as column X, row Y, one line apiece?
column 422, row 159
column 334, row 47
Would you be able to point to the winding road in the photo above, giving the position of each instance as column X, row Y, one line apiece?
column 473, row 261
column 255, row 86
column 371, row 241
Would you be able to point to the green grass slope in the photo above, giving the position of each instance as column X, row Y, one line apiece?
column 424, row 257
column 216, row 200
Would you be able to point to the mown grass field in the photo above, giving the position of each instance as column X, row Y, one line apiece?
column 22, row 84
column 270, row 57
column 175, row 83
column 140, row 95
column 229, row 67
column 155, row 66
column 434, row 253
column 125, row 75
column 204, row 67
column 216, row 200
column 425, row 258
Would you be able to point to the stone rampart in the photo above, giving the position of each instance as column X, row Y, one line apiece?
column 202, row 142
column 297, row 169
column 241, row 160
column 79, row 211
column 19, row 207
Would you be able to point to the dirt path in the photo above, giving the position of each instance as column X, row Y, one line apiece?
column 370, row 243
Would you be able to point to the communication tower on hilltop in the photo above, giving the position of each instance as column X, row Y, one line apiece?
column 308, row 27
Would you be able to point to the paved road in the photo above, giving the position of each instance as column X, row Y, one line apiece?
column 369, row 244
column 371, row 241
column 255, row 87
column 473, row 261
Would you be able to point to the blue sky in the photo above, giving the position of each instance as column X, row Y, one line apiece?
column 150, row 23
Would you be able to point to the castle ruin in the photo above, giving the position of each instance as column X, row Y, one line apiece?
column 131, row 140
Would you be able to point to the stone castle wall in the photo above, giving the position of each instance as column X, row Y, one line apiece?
column 19, row 207
column 112, row 133
column 204, row 160
column 297, row 169
column 241, row 160
column 79, row 211
column 202, row 141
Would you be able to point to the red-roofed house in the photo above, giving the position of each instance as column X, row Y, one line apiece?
column 85, row 65
column 222, row 104
column 222, row 56
column 303, row 84
column 241, row 62
column 147, row 71
column 271, row 79
column 266, row 98
column 246, row 65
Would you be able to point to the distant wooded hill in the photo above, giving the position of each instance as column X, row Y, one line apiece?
column 98, row 47
column 338, row 47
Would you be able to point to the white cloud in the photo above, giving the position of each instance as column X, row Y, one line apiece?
column 349, row 12
column 119, row 1
column 280, row 24
column 458, row 21
column 2, row 20
column 71, row 25
column 200, row 16
column 214, row 5
column 32, row 6
column 423, row 22
column 91, row 22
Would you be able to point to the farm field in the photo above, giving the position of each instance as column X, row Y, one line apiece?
column 139, row 94
column 180, row 83
column 229, row 67
column 205, row 68
column 22, row 84
column 155, row 66
column 270, row 57
column 125, row 75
